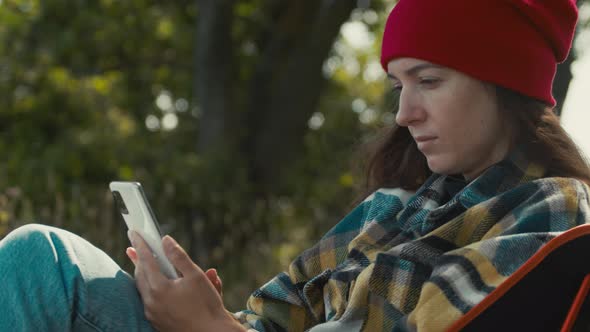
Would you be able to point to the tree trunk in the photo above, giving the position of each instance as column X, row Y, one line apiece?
column 287, row 84
column 265, row 127
column 213, row 71
column 213, row 92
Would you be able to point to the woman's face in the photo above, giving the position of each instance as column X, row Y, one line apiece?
column 454, row 118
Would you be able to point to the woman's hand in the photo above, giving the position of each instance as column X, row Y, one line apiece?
column 191, row 303
column 211, row 273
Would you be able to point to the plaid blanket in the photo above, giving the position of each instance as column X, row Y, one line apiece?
column 406, row 261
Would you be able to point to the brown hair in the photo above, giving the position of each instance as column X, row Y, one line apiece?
column 395, row 161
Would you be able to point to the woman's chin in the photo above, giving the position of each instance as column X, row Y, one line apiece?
column 440, row 166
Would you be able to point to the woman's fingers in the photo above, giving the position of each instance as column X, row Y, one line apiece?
column 184, row 264
column 132, row 254
column 170, row 304
column 215, row 280
column 179, row 258
column 146, row 266
column 146, row 260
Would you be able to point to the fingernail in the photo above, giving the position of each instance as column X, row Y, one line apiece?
column 215, row 272
column 128, row 254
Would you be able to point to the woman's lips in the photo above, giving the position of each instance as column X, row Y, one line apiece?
column 424, row 142
column 420, row 139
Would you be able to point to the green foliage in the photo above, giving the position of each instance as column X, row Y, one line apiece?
column 93, row 91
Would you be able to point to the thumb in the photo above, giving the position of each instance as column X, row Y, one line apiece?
column 178, row 257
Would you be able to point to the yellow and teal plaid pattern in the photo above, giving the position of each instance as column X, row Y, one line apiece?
column 403, row 261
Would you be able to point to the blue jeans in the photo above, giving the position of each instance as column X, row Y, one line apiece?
column 53, row 280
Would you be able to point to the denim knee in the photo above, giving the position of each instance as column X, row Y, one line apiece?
column 57, row 280
column 24, row 236
column 28, row 229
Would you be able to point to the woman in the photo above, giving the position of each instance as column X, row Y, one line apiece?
column 474, row 179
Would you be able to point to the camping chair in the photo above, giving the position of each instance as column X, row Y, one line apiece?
column 548, row 293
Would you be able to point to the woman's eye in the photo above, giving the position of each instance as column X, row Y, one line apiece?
column 429, row 82
column 396, row 88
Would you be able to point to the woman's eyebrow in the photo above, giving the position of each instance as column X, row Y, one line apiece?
column 414, row 70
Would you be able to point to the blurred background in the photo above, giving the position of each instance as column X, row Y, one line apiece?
column 241, row 118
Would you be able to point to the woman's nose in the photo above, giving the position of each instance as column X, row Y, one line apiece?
column 409, row 111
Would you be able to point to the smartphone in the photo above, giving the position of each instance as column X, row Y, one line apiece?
column 139, row 217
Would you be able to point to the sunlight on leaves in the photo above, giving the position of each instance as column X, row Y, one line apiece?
column 316, row 121
column 126, row 173
column 346, row 180
column 124, row 125
column 165, row 29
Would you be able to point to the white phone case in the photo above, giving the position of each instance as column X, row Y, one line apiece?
column 140, row 218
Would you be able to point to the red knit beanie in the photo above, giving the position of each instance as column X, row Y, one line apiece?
column 513, row 43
